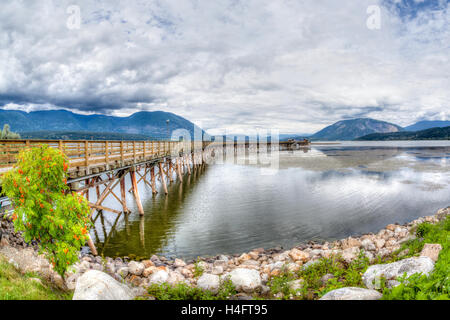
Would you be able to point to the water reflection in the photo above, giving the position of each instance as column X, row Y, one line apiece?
column 329, row 192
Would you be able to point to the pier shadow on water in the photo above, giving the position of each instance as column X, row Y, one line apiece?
column 140, row 236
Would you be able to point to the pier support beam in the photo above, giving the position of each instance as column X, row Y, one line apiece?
column 123, row 194
column 179, row 170
column 153, row 181
column 188, row 165
column 92, row 246
column 163, row 181
column 170, row 171
column 136, row 191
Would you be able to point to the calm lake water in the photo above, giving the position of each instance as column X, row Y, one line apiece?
column 325, row 193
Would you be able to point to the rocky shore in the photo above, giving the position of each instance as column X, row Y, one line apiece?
column 249, row 272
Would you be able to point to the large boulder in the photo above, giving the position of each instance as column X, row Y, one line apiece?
column 209, row 282
column 246, row 280
column 159, row 277
column 352, row 293
column 97, row 285
column 392, row 271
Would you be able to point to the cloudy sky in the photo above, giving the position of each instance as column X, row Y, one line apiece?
column 230, row 65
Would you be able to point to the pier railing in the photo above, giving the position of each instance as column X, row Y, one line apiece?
column 86, row 156
column 92, row 154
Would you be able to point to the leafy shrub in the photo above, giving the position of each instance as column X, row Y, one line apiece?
column 423, row 229
column 44, row 209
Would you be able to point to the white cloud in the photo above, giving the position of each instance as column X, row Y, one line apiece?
column 231, row 65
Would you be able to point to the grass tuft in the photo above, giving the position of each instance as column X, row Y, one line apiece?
column 17, row 286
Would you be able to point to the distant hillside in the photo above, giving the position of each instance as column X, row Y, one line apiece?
column 429, row 134
column 354, row 128
column 152, row 124
column 75, row 135
column 423, row 125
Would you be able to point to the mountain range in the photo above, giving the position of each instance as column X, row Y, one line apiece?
column 62, row 124
column 150, row 124
column 365, row 127
column 437, row 133
column 423, row 125
column 354, row 128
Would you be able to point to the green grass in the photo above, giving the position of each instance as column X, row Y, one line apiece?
column 16, row 286
column 345, row 275
column 436, row 286
column 183, row 291
column 198, row 269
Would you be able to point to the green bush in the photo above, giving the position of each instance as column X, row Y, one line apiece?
column 43, row 207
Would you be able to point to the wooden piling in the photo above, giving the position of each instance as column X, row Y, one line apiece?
column 123, row 194
column 163, row 181
column 87, row 193
column 170, row 170
column 152, row 175
column 136, row 191
column 92, row 246
column 188, row 165
column 179, row 170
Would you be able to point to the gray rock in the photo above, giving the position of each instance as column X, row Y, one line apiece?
column 250, row 263
column 368, row 245
column 159, row 277
column 220, row 263
column 352, row 293
column 71, row 281
column 110, row 268
column 83, row 266
column 96, row 285
column 136, row 268
column 123, row 272
column 265, row 290
column 392, row 271
column 350, row 254
column 246, row 280
column 139, row 291
column 175, row 278
column 325, row 278
column 296, row 284
column 310, row 263
column 209, row 282
column 179, row 263
column 97, row 266
column 217, row 270
column 369, row 255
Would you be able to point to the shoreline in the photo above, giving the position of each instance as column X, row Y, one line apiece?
column 264, row 264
